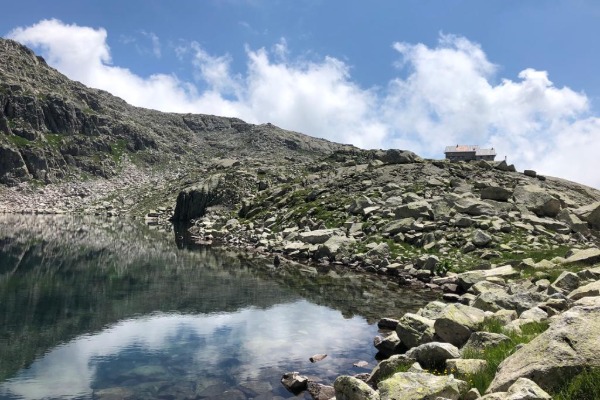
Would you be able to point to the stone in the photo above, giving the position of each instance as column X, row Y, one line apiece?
column 398, row 226
column 556, row 355
column 590, row 290
column 573, row 221
column 421, row 386
column 432, row 310
column 413, row 330
column 317, row 358
column 294, row 382
column 351, row 388
column 481, row 239
column 193, row 202
column 584, row 256
column 457, row 322
column 417, row 209
column 567, row 281
column 388, row 367
column 319, row 391
column 496, row 193
column 504, row 166
column 535, row 314
column 538, row 200
column 433, row 354
column 387, row 344
column 472, row 394
column 479, row 341
column 593, row 219
column 395, row 156
column 529, row 172
column 469, row 278
column 486, row 286
column 359, row 204
column 463, row 368
column 318, row 236
column 526, row 389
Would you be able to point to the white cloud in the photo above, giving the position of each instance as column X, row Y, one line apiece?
column 446, row 94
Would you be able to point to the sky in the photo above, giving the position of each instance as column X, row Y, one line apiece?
column 520, row 76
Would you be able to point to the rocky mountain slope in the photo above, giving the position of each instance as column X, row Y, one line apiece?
column 458, row 228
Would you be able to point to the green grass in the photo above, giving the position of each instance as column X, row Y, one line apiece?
column 584, row 386
column 117, row 149
column 54, row 139
column 494, row 355
column 18, row 140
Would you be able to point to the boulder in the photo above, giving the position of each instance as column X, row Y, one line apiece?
column 416, row 209
column 504, row 166
column 583, row 256
column 594, row 218
column 570, row 344
column 529, row 172
column 414, row 330
column 351, row 388
column 387, row 323
column 469, row 278
column 526, row 389
column 433, row 354
column 394, row 156
column 387, row 368
column 335, row 246
column 193, row 202
column 294, row 382
column 537, row 200
column 481, row 239
column 359, row 204
column 432, row 310
column 387, row 344
column 567, row 281
column 590, row 290
column 457, row 322
column 319, row 391
column 479, row 341
column 463, row 368
column 398, row 226
column 421, row 386
column 496, row 193
column 572, row 221
column 534, row 314
column 318, row 236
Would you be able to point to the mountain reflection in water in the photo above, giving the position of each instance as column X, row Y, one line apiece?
column 109, row 309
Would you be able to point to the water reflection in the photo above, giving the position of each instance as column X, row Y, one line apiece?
column 109, row 309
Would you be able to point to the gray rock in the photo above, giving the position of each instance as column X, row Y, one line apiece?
column 193, row 202
column 496, row 193
column 481, row 239
column 529, row 172
column 590, row 290
column 526, row 389
column 399, row 226
column 414, row 330
column 567, row 281
column 421, row 386
column 534, row 314
column 319, row 391
column 594, row 218
column 359, row 204
column 350, row 388
column 433, row 354
column 417, row 209
column 479, row 341
column 570, row 344
column 538, row 200
column 387, row 323
column 294, row 382
column 468, row 279
column 457, row 322
column 387, row 368
column 387, row 344
column 394, row 156
column 463, row 368
column 585, row 256
column 318, row 236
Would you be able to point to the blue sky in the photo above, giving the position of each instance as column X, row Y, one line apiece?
column 521, row 76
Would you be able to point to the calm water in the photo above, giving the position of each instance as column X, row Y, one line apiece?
column 93, row 309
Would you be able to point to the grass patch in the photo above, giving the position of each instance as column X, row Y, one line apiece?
column 18, row 140
column 584, row 386
column 54, row 139
column 494, row 355
column 117, row 149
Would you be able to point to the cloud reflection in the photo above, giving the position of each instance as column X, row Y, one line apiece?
column 239, row 344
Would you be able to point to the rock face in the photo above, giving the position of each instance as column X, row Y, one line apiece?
column 193, row 202
column 420, row 386
column 570, row 344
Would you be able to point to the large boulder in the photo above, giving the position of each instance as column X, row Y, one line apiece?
column 583, row 256
column 318, row 236
column 434, row 354
column 388, row 367
column 395, row 156
column 416, row 209
column 479, row 341
column 592, row 289
column 593, row 218
column 469, row 278
column 569, row 345
column 497, row 193
column 351, row 388
column 537, row 200
column 421, row 386
column 359, row 204
column 414, row 330
column 457, row 322
column 193, row 201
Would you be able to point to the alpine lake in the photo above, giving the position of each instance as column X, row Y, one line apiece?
column 96, row 308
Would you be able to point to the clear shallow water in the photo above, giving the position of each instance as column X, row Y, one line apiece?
column 107, row 310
